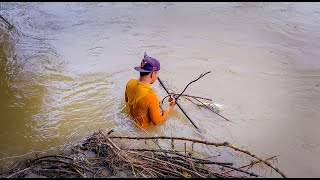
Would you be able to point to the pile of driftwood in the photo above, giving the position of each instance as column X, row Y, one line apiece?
column 103, row 155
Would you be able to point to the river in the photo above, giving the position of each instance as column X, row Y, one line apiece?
column 64, row 67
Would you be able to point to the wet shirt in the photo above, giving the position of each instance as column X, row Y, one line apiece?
column 143, row 104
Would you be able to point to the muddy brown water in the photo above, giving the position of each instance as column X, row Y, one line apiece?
column 64, row 69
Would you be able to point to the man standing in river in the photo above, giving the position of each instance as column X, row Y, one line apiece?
column 143, row 102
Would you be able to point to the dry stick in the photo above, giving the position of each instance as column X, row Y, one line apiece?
column 133, row 171
column 114, row 145
column 216, row 175
column 179, row 106
column 165, row 163
column 143, row 175
column 192, row 145
column 176, row 169
column 157, row 172
column 197, row 105
column 220, row 174
column 201, row 75
column 10, row 26
column 150, row 173
column 167, row 171
column 238, row 169
column 86, row 160
column 191, row 164
column 210, row 172
column 190, row 101
column 132, row 165
column 148, row 164
column 108, row 132
column 64, row 162
column 199, row 160
column 252, row 163
column 192, row 158
column 172, row 163
column 208, row 143
column 157, row 167
column 80, row 174
column 149, row 169
column 23, row 170
column 253, row 155
column 224, row 165
column 172, row 144
column 197, row 97
column 162, row 155
column 213, row 110
column 56, row 156
column 186, row 96
column 183, row 163
column 142, row 166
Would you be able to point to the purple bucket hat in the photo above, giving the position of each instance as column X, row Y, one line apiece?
column 148, row 64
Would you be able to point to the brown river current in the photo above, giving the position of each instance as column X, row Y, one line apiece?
column 64, row 67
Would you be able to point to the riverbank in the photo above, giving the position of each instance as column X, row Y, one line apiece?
column 104, row 156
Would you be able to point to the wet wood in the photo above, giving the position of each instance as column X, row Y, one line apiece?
column 147, row 163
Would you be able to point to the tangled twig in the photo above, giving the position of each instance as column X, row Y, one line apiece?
column 201, row 75
column 142, row 162
column 6, row 21
column 210, row 143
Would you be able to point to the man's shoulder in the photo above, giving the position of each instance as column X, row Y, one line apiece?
column 152, row 94
column 132, row 81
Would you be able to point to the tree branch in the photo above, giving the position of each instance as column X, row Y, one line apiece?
column 201, row 75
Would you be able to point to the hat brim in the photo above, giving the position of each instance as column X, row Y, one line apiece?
column 138, row 68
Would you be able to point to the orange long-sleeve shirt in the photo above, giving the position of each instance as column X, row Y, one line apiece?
column 143, row 104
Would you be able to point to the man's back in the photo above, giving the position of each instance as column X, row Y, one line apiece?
column 143, row 104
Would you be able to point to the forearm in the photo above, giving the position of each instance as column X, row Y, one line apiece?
column 154, row 111
column 169, row 108
column 156, row 115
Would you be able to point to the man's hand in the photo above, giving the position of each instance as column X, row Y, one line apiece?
column 172, row 101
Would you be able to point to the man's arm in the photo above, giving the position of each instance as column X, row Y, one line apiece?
column 155, row 114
